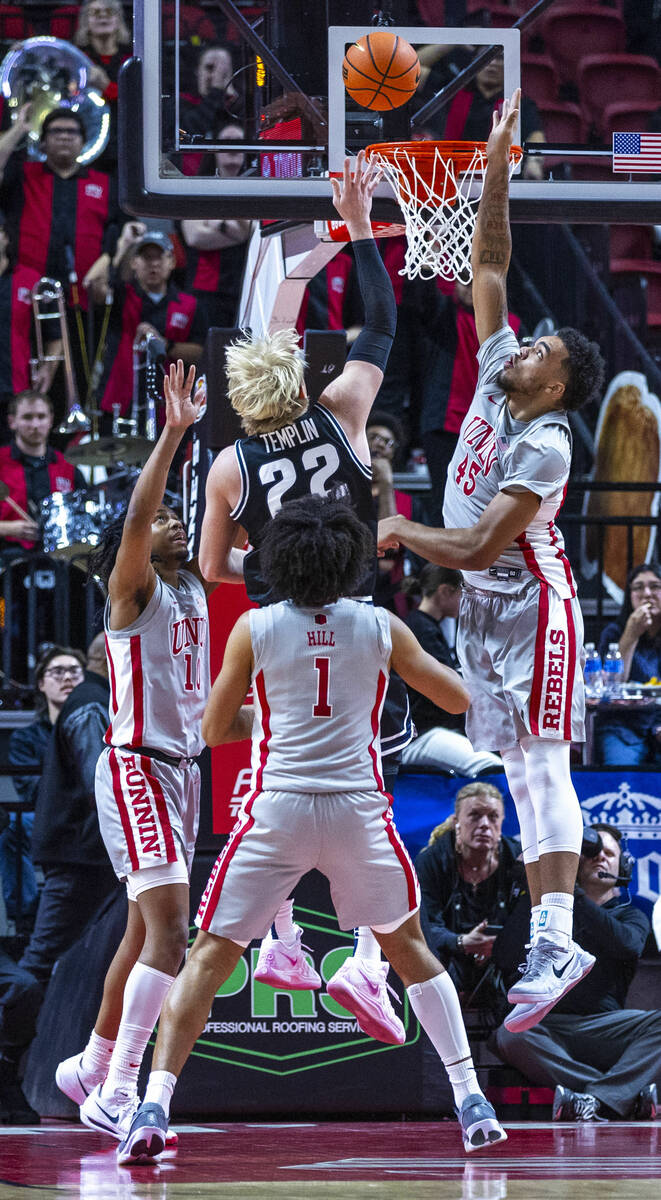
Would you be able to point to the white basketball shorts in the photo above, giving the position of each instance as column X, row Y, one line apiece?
column 522, row 658
column 148, row 810
column 349, row 836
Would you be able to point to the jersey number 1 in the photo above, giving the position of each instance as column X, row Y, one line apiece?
column 322, row 708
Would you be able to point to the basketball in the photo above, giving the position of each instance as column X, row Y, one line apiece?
column 381, row 70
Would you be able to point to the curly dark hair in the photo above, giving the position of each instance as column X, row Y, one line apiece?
column 102, row 560
column 315, row 550
column 586, row 369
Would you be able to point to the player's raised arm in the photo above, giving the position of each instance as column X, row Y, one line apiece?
column 133, row 579
column 351, row 395
column 492, row 240
column 220, row 556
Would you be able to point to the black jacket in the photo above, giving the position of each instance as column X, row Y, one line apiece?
column 66, row 828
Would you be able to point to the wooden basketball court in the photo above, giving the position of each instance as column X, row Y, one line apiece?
column 540, row 1161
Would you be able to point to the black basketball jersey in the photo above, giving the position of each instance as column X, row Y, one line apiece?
column 311, row 456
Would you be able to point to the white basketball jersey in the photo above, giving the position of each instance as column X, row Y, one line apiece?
column 319, row 682
column 495, row 452
column 159, row 671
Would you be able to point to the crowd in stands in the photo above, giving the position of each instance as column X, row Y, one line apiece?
column 171, row 283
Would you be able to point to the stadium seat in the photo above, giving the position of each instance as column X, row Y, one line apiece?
column 14, row 24
column 603, row 76
column 562, row 123
column 627, row 116
column 629, row 242
column 539, row 78
column 63, row 21
column 571, row 33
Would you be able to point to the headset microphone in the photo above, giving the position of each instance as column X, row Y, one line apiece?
column 620, row 880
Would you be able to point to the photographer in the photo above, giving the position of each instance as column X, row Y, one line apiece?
column 471, row 882
column 600, row 1057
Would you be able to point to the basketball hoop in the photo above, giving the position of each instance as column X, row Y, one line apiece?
column 438, row 186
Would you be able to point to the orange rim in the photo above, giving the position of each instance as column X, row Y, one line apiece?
column 403, row 155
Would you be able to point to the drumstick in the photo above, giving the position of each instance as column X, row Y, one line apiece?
column 21, row 512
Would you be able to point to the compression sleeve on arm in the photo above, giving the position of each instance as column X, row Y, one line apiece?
column 375, row 338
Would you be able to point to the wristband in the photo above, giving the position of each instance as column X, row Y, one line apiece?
column 460, row 943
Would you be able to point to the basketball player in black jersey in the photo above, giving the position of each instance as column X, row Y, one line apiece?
column 296, row 447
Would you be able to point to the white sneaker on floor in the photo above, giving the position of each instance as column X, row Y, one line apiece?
column 550, row 972
column 75, row 1081
column 280, row 965
column 111, row 1114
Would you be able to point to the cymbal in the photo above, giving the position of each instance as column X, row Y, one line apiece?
column 105, row 451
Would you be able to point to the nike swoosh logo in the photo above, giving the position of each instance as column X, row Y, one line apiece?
column 560, row 973
column 82, row 1084
column 113, row 1120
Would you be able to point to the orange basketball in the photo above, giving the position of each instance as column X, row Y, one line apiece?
column 381, row 70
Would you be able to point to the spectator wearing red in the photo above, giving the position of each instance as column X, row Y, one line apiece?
column 61, row 216
column 216, row 250
column 148, row 302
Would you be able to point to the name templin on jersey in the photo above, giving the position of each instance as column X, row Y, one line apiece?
column 290, row 435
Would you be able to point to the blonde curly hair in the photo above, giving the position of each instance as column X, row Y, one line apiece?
column 81, row 36
column 265, row 380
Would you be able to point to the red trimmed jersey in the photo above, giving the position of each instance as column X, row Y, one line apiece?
column 319, row 681
column 159, row 671
column 495, row 452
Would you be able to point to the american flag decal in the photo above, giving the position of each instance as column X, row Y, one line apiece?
column 637, row 152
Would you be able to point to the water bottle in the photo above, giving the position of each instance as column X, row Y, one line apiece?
column 594, row 684
column 613, row 672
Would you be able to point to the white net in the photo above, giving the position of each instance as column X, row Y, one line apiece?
column 438, row 197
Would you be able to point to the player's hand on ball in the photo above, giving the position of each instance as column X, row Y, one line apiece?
column 386, row 538
column 181, row 410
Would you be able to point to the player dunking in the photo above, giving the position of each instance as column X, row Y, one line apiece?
column 520, row 625
column 295, row 448
column 147, row 784
column 318, row 665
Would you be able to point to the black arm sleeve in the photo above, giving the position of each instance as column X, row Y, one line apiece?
column 375, row 339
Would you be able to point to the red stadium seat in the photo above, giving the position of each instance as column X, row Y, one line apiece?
column 627, row 116
column 63, row 21
column 563, row 123
column 571, row 33
column 14, row 25
column 627, row 243
column 539, row 78
column 603, row 76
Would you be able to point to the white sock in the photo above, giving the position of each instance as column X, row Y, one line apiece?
column 556, row 919
column 285, row 927
column 96, row 1055
column 534, row 922
column 366, row 947
column 160, row 1087
column 144, row 993
column 436, row 1005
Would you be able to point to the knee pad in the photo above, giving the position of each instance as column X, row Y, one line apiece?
column 558, row 818
column 515, row 770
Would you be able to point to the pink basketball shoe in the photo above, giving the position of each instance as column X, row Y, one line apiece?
column 362, row 989
column 281, row 965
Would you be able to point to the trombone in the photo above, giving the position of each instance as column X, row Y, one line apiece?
column 44, row 293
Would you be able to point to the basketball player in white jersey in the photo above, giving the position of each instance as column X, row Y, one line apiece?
column 296, row 447
column 520, row 626
column 318, row 666
column 147, row 782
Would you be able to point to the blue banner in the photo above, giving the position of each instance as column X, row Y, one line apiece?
column 627, row 797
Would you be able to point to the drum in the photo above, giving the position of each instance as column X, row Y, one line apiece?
column 72, row 522
column 44, row 599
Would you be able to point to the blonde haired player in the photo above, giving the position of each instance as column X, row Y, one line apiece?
column 297, row 446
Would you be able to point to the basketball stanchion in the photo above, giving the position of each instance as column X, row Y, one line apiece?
column 438, row 186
